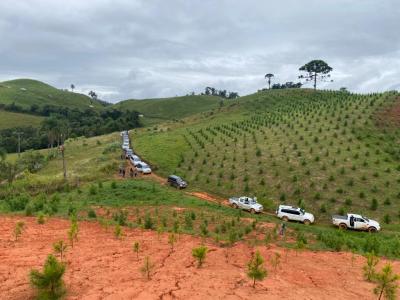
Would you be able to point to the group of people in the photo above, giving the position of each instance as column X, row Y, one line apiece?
column 132, row 172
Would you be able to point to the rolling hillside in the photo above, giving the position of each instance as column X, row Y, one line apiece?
column 11, row 119
column 27, row 92
column 158, row 110
column 330, row 152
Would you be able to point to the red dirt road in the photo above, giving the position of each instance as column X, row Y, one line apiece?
column 102, row 267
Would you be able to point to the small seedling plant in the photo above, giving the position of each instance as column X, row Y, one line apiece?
column 369, row 268
column 255, row 268
column 147, row 268
column 60, row 248
column 172, row 240
column 136, row 248
column 199, row 254
column 386, row 283
column 49, row 282
column 18, row 229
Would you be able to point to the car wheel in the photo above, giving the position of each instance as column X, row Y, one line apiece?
column 234, row 205
column 306, row 222
column 252, row 211
column 285, row 219
column 372, row 229
column 343, row 226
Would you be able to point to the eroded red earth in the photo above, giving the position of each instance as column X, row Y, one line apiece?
column 103, row 267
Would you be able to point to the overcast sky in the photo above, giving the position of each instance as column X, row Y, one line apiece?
column 142, row 49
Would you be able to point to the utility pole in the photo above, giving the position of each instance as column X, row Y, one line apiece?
column 18, row 133
column 62, row 149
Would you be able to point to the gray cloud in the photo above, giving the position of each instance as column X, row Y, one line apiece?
column 157, row 48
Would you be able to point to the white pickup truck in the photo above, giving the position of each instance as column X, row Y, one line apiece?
column 246, row 203
column 356, row 222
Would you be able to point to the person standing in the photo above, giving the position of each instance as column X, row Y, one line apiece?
column 283, row 229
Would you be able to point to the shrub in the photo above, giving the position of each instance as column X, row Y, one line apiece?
column 371, row 244
column 92, row 190
column 136, row 247
column 118, row 231
column 369, row 267
column 73, row 232
column 19, row 226
column 188, row 222
column 41, row 218
column 147, row 267
column 148, row 222
column 60, row 248
column 233, row 236
column 121, row 217
column 204, row 229
column 172, row 240
column 374, row 204
column 275, row 261
column 18, row 203
column 256, row 269
column 49, row 283
column 386, row 283
column 386, row 219
column 200, row 253
column 333, row 240
column 92, row 214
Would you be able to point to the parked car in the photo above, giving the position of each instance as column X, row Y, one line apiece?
column 291, row 213
column 128, row 153
column 246, row 203
column 135, row 160
column 143, row 167
column 177, row 182
column 357, row 222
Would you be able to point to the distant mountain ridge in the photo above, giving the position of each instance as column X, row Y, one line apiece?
column 28, row 92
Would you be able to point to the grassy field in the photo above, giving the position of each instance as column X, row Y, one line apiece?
column 158, row 110
column 26, row 92
column 87, row 160
column 326, row 151
column 149, row 205
column 321, row 150
column 11, row 119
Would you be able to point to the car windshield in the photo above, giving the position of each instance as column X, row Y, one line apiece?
column 366, row 219
column 302, row 211
column 252, row 201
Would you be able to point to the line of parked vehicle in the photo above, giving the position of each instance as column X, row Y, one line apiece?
column 129, row 154
column 292, row 213
column 284, row 212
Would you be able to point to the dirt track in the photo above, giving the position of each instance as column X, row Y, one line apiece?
column 102, row 267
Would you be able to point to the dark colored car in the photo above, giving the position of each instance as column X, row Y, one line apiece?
column 177, row 182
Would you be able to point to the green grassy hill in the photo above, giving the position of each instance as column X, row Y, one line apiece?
column 330, row 152
column 26, row 92
column 11, row 119
column 157, row 110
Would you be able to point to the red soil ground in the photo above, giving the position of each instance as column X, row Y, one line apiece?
column 102, row 267
column 390, row 116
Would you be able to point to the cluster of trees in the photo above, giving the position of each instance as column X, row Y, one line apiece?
column 220, row 93
column 30, row 160
column 287, row 85
column 316, row 70
column 65, row 123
